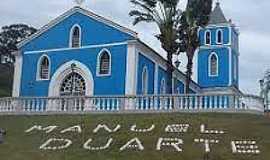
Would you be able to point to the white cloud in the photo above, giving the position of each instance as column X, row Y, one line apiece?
column 254, row 60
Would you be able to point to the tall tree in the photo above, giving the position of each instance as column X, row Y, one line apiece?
column 11, row 35
column 195, row 16
column 166, row 15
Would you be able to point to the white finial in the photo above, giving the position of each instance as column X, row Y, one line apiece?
column 79, row 2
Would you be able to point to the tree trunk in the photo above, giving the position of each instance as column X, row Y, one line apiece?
column 190, row 55
column 170, row 73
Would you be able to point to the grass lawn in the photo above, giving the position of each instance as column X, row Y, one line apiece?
column 19, row 145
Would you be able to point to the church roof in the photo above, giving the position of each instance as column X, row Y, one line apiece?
column 71, row 12
column 217, row 15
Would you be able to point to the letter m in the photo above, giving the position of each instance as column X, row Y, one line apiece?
column 47, row 129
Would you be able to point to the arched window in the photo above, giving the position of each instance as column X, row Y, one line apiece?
column 219, row 36
column 163, row 86
column 213, row 64
column 75, row 37
column 207, row 38
column 178, row 90
column 43, row 68
column 145, row 81
column 104, row 63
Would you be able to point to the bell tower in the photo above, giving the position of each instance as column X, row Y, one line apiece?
column 218, row 55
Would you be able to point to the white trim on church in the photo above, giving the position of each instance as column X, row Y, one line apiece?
column 65, row 70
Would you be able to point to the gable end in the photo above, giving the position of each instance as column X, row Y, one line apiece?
column 71, row 12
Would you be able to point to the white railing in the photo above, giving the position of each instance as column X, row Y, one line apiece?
column 133, row 104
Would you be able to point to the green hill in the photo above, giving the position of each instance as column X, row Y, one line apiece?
column 6, row 76
column 19, row 145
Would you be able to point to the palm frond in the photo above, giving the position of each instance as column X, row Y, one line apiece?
column 144, row 6
column 141, row 19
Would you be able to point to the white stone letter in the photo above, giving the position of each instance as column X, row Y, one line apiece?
column 40, row 128
column 129, row 145
column 88, row 147
column 245, row 147
column 134, row 129
column 203, row 130
column 207, row 143
column 173, row 142
column 46, row 146
column 177, row 128
column 106, row 128
column 72, row 129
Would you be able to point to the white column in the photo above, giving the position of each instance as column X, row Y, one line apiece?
column 230, row 66
column 131, row 69
column 17, row 74
column 131, row 74
column 156, row 80
column 195, row 67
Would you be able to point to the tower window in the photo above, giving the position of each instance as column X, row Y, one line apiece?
column 43, row 68
column 219, row 37
column 144, row 81
column 213, row 65
column 75, row 37
column 207, row 37
column 104, row 63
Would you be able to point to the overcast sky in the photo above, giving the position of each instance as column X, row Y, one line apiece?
column 252, row 17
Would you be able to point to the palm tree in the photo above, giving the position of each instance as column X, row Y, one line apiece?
column 195, row 16
column 166, row 15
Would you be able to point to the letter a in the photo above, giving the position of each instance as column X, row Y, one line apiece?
column 72, row 129
column 137, row 144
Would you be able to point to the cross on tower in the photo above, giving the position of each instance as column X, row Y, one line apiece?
column 79, row 2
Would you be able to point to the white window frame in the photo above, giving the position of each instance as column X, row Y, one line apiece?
column 210, row 37
column 209, row 65
column 98, row 63
column 71, row 36
column 221, row 31
column 38, row 76
column 163, row 87
column 145, row 81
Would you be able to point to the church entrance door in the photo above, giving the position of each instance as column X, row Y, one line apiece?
column 73, row 82
column 73, row 89
column 73, row 85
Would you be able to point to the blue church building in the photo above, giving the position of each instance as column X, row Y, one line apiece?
column 83, row 54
